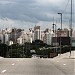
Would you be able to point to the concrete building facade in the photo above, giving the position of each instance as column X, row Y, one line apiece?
column 37, row 33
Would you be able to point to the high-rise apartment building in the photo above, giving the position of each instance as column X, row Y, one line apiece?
column 37, row 33
column 63, row 33
column 61, row 38
column 48, row 34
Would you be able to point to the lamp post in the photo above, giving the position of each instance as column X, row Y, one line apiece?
column 60, row 31
column 71, row 30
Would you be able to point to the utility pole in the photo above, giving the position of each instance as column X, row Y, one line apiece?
column 71, row 30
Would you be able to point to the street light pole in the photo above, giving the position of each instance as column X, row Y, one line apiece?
column 71, row 29
column 60, row 32
column 61, row 20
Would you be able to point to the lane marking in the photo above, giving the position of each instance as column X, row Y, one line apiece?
column 64, row 64
column 3, row 71
column 57, row 61
column 13, row 64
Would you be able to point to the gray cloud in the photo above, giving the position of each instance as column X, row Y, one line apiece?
column 33, row 10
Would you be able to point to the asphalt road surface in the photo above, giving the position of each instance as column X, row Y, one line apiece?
column 37, row 66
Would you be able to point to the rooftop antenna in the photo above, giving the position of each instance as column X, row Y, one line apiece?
column 53, row 24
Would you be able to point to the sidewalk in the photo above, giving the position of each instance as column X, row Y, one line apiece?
column 1, row 57
column 67, row 55
column 72, row 55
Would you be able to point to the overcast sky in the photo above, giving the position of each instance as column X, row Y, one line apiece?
column 28, row 13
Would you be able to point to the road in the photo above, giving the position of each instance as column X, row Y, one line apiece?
column 35, row 66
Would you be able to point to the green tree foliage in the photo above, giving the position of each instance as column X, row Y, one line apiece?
column 24, row 51
column 16, row 51
column 3, row 50
column 27, row 47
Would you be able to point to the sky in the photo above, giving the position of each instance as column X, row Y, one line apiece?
column 28, row 13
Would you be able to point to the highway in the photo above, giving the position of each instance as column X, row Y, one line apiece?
column 37, row 66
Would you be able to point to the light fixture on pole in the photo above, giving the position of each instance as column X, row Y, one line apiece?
column 61, row 20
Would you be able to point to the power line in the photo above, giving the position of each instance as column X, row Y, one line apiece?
column 66, row 7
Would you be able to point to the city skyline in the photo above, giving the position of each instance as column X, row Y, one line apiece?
column 28, row 13
column 21, row 36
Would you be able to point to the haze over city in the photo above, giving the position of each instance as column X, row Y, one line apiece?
column 28, row 13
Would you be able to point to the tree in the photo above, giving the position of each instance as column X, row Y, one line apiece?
column 3, row 50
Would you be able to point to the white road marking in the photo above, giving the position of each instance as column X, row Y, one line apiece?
column 64, row 64
column 57, row 61
column 13, row 64
column 3, row 71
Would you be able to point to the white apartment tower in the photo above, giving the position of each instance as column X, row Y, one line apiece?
column 6, row 38
column 37, row 33
column 48, row 36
